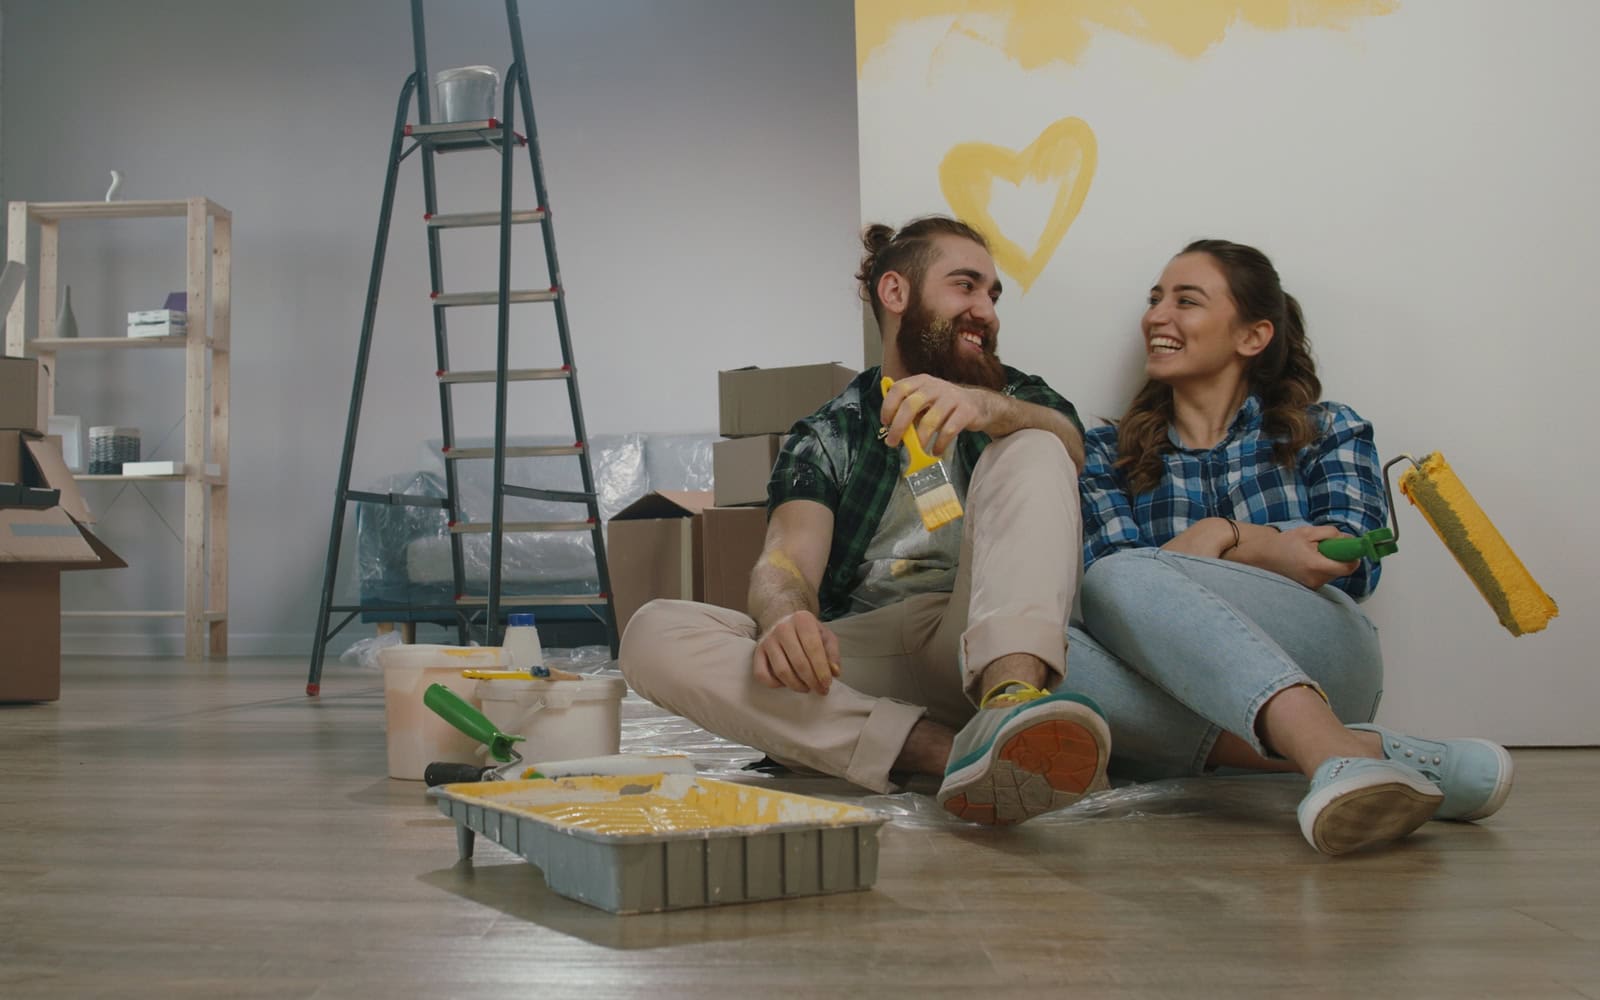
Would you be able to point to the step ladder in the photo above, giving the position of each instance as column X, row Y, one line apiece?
column 429, row 139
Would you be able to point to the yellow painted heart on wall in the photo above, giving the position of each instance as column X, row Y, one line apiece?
column 1065, row 153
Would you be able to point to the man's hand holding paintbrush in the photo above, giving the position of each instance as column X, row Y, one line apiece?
column 943, row 410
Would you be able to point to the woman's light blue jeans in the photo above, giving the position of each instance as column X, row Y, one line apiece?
column 1175, row 649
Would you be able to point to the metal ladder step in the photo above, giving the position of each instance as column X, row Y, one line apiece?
column 397, row 499
column 460, row 220
column 525, row 451
column 512, row 375
column 483, row 528
column 530, row 600
column 443, row 299
column 540, row 493
column 447, row 136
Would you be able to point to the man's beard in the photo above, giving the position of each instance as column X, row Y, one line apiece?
column 931, row 345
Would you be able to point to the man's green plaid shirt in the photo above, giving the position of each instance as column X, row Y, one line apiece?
column 837, row 458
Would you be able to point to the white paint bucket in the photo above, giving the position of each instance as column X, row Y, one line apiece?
column 416, row 735
column 562, row 720
column 465, row 94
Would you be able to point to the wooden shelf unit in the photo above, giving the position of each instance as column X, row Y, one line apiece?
column 205, row 430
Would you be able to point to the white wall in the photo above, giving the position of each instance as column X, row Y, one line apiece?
column 1423, row 180
column 702, row 162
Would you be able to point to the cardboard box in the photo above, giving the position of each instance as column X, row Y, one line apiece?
column 677, row 545
column 740, row 468
column 36, row 547
column 11, row 452
column 770, row 400
column 731, row 542
column 22, row 395
column 651, row 548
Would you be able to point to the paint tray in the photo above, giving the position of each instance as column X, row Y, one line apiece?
column 642, row 843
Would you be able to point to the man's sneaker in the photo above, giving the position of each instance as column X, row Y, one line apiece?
column 1475, row 775
column 1026, row 752
column 1358, row 802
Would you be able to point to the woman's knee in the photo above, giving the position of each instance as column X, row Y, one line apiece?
column 1121, row 580
column 1352, row 679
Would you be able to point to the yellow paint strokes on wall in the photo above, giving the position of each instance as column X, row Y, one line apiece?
column 1037, row 32
column 1064, row 154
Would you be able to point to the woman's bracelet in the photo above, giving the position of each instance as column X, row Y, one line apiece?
column 1235, row 526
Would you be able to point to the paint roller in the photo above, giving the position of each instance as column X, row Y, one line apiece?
column 1434, row 489
column 459, row 712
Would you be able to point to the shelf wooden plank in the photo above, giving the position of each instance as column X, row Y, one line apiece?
column 17, row 250
column 219, row 482
column 49, row 253
column 103, row 477
column 53, row 344
column 214, row 616
column 52, row 211
column 221, row 404
column 195, row 563
column 122, row 614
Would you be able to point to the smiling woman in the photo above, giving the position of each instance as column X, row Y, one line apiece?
column 1214, row 632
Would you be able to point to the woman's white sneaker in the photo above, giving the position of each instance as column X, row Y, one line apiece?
column 1360, row 802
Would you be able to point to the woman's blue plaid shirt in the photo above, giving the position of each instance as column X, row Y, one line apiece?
column 1336, row 480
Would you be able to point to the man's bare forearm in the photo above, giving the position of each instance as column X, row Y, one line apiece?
column 778, row 589
column 1009, row 415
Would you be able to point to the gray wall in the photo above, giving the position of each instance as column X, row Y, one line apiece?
column 702, row 160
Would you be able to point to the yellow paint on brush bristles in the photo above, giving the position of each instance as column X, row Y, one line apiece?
column 931, row 488
column 1517, row 599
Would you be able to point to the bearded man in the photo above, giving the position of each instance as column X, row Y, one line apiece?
column 875, row 648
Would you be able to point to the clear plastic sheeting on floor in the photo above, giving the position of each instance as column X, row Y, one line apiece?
column 647, row 728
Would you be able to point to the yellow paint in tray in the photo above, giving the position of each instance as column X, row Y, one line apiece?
column 624, row 805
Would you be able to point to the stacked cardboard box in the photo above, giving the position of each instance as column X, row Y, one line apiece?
column 678, row 545
column 24, row 397
column 38, row 543
column 700, row 546
column 758, row 406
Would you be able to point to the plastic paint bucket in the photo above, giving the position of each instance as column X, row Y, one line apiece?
column 416, row 736
column 562, row 720
column 465, row 94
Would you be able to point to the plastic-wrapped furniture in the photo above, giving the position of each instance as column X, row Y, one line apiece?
column 403, row 553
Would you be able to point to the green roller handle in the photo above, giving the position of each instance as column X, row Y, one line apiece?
column 1375, row 544
column 455, row 710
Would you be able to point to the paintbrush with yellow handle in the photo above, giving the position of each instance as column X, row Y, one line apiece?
column 930, row 484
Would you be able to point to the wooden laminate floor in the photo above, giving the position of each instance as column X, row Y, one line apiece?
column 181, row 830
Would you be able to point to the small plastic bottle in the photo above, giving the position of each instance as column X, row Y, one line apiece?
column 522, row 644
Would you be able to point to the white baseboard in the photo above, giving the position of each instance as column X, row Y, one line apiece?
column 171, row 644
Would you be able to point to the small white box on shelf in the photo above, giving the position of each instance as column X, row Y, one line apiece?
column 158, row 330
column 177, row 316
column 164, row 468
